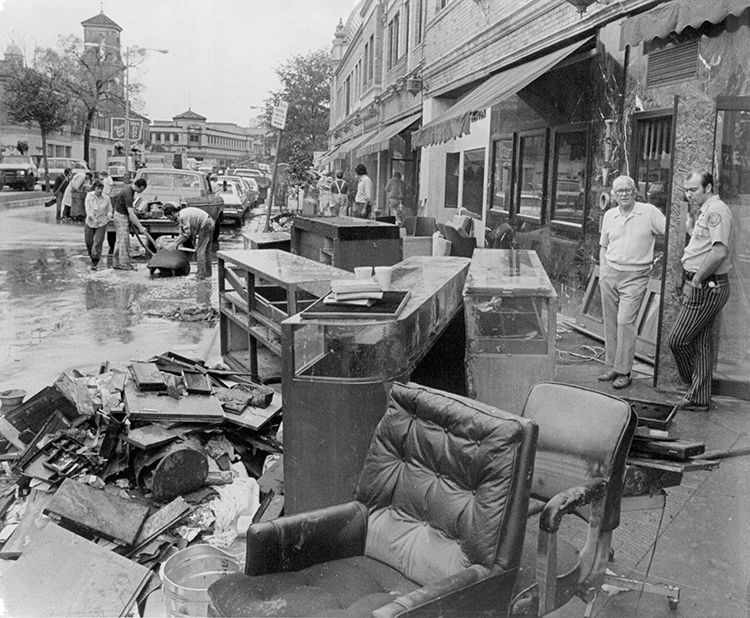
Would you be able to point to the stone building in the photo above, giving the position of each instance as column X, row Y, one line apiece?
column 530, row 110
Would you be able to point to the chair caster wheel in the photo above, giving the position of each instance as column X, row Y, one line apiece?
column 673, row 603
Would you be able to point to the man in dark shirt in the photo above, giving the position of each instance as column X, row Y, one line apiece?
column 124, row 215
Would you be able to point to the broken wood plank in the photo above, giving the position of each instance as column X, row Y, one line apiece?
column 150, row 436
column 32, row 523
column 148, row 377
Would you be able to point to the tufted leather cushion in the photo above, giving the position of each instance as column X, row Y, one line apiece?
column 354, row 586
column 437, row 483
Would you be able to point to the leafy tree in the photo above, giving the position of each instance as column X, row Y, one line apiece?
column 97, row 85
column 305, row 86
column 36, row 94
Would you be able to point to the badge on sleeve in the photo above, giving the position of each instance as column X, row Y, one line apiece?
column 714, row 219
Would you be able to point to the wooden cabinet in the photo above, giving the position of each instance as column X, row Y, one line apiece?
column 511, row 325
column 346, row 242
column 257, row 290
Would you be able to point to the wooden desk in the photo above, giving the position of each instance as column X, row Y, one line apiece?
column 257, row 290
column 346, row 242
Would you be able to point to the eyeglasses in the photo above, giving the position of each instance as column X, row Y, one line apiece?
column 624, row 191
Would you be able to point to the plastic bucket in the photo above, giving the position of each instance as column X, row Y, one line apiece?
column 187, row 575
column 11, row 399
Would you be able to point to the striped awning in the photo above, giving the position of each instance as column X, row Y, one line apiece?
column 382, row 139
column 675, row 16
column 456, row 121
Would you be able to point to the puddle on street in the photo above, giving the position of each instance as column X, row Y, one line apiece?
column 57, row 315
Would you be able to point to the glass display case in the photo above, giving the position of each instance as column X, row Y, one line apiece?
column 511, row 311
column 337, row 373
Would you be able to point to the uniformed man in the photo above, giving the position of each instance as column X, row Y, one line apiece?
column 706, row 263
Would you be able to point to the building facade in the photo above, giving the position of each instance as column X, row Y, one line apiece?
column 221, row 143
column 529, row 111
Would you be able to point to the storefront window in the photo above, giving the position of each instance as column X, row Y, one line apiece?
column 502, row 170
column 732, row 175
column 473, row 180
column 531, row 176
column 452, row 169
column 570, row 177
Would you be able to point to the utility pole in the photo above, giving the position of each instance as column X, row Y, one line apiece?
column 278, row 120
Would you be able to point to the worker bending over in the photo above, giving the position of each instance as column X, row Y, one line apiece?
column 197, row 226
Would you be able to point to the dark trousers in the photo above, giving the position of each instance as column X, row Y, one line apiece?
column 94, row 238
column 690, row 340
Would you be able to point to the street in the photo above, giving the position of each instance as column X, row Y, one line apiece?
column 58, row 315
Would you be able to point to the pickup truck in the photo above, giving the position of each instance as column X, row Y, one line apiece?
column 179, row 187
column 18, row 172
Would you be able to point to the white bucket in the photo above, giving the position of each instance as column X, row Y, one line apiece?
column 187, row 575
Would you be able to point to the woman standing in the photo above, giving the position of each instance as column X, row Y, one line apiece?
column 98, row 213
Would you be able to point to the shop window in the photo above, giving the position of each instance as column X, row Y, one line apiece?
column 673, row 64
column 473, row 180
column 531, row 176
column 653, row 157
column 502, row 175
column 452, row 170
column 569, row 176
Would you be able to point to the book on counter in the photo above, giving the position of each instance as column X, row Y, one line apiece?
column 362, row 292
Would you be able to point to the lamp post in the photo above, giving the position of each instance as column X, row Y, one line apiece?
column 126, row 68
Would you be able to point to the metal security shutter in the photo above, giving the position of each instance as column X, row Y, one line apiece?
column 678, row 63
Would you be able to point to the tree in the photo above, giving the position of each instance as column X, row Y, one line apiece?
column 97, row 85
column 37, row 94
column 305, row 86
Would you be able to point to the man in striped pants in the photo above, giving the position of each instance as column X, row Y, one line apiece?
column 706, row 263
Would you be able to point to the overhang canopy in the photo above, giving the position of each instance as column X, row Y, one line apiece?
column 456, row 121
column 329, row 156
column 675, row 17
column 382, row 139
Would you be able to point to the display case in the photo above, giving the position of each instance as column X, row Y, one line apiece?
column 257, row 290
column 337, row 373
column 346, row 242
column 511, row 311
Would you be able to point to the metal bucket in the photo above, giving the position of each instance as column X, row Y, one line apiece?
column 187, row 575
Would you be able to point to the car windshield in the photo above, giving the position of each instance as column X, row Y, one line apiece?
column 14, row 159
column 226, row 186
column 169, row 181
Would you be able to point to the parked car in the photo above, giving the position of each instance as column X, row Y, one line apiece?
column 236, row 199
column 263, row 181
column 182, row 188
column 57, row 165
column 18, row 172
column 249, row 184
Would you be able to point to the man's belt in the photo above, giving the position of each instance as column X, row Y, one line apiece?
column 710, row 279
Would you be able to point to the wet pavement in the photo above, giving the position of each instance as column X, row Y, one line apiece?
column 57, row 315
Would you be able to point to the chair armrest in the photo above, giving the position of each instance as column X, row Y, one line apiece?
column 469, row 592
column 298, row 541
column 568, row 501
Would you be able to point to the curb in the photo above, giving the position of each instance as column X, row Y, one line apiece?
column 30, row 202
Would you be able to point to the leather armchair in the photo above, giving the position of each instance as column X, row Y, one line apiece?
column 436, row 527
column 584, row 439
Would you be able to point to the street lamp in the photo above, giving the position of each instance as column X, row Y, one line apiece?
column 128, row 52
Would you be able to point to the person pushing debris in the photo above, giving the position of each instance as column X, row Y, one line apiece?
column 197, row 226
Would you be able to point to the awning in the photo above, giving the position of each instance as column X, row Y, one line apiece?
column 675, row 17
column 382, row 139
column 456, row 121
column 328, row 156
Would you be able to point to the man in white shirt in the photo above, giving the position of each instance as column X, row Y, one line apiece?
column 363, row 199
column 107, row 182
column 627, row 240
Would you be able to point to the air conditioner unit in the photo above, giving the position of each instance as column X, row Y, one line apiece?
column 413, row 85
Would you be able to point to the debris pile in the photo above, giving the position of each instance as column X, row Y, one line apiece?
column 117, row 471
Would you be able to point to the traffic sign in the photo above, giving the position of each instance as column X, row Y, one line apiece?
column 278, row 117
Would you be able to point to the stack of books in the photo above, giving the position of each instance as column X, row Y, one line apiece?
column 362, row 292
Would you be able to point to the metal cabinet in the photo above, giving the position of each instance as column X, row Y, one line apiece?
column 511, row 311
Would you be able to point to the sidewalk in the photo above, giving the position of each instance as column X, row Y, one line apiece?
column 703, row 544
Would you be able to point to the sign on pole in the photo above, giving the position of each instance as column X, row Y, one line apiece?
column 117, row 129
column 278, row 116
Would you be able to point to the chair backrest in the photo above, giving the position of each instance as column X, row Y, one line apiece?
column 462, row 245
column 583, row 435
column 425, row 226
column 446, row 483
column 410, row 225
